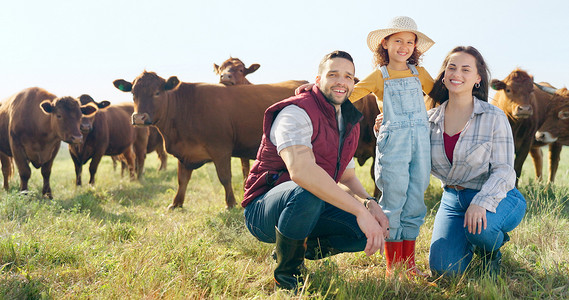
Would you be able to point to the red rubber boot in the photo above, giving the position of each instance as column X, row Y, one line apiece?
column 408, row 257
column 393, row 258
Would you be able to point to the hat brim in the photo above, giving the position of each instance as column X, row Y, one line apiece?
column 374, row 38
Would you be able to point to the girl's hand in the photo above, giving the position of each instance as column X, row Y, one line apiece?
column 378, row 122
column 303, row 88
column 475, row 219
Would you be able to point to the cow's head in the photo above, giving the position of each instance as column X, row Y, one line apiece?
column 556, row 124
column 233, row 71
column 66, row 113
column 149, row 91
column 515, row 94
column 87, row 121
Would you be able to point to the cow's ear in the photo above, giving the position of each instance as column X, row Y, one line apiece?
column 171, row 83
column 497, row 84
column 216, row 69
column 252, row 68
column 89, row 109
column 86, row 98
column 103, row 104
column 46, row 106
column 123, row 85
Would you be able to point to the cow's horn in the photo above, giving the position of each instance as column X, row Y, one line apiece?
column 546, row 89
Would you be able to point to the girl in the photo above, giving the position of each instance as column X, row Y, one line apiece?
column 403, row 159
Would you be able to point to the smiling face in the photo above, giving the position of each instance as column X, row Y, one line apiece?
column 400, row 47
column 336, row 80
column 461, row 73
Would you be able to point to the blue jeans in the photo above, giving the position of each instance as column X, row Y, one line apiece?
column 452, row 246
column 298, row 214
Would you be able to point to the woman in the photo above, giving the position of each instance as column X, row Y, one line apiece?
column 472, row 153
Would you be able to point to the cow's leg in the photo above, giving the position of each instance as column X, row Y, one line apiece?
column 114, row 158
column 7, row 169
column 46, row 174
column 376, row 191
column 554, row 155
column 128, row 156
column 93, row 166
column 78, row 169
column 125, row 167
column 521, row 156
column 245, row 167
column 162, row 155
column 223, row 169
column 22, row 164
column 537, row 157
column 139, row 145
column 184, row 175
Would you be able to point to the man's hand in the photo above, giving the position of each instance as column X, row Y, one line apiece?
column 373, row 232
column 380, row 216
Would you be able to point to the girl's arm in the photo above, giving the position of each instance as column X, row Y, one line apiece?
column 373, row 83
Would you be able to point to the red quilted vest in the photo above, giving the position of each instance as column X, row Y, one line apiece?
column 270, row 170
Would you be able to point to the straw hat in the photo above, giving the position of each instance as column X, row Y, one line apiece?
column 399, row 24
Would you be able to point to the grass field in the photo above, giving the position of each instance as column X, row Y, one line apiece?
column 116, row 240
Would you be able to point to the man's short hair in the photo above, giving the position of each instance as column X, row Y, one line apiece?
column 334, row 54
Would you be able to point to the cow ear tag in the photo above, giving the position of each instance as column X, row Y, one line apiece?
column 121, row 87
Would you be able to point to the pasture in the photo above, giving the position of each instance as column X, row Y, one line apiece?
column 116, row 240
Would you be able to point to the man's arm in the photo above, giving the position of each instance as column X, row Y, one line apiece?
column 304, row 171
column 351, row 181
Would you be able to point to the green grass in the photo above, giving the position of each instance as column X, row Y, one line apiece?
column 116, row 240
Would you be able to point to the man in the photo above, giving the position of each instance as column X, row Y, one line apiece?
column 292, row 197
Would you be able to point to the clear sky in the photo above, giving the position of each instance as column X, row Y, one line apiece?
column 72, row 47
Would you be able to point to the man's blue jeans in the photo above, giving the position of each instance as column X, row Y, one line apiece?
column 452, row 246
column 299, row 214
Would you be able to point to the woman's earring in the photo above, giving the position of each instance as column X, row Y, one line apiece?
column 443, row 81
column 477, row 85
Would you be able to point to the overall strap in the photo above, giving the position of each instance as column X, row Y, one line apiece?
column 413, row 69
column 384, row 72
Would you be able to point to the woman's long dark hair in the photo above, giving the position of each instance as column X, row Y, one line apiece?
column 439, row 93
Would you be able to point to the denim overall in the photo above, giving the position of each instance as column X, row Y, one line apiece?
column 403, row 155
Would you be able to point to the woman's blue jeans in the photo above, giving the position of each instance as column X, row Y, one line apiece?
column 452, row 246
column 298, row 214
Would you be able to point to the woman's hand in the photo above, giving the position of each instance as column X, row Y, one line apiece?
column 475, row 219
column 303, row 88
column 378, row 122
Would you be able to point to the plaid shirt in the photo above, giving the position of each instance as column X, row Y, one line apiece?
column 483, row 157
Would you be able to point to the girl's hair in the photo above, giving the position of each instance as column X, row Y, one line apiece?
column 381, row 57
column 439, row 93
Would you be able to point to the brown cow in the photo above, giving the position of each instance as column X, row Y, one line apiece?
column 233, row 71
column 108, row 132
column 7, row 169
column 155, row 143
column 203, row 122
column 554, row 131
column 367, row 140
column 138, row 137
column 33, row 124
column 5, row 160
column 525, row 106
